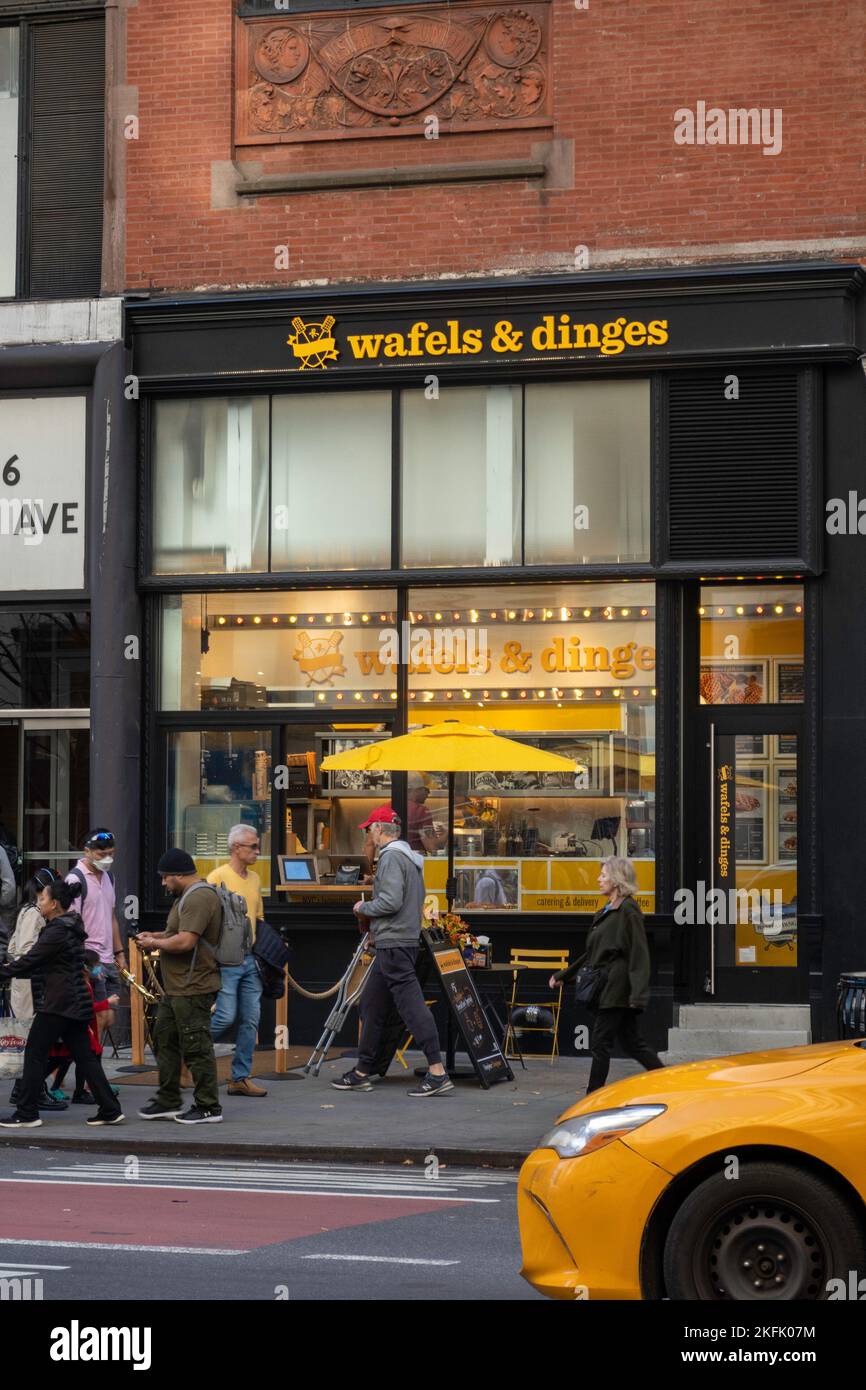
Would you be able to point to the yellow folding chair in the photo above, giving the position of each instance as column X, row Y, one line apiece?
column 550, row 962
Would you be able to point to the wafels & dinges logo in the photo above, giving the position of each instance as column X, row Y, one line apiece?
column 314, row 344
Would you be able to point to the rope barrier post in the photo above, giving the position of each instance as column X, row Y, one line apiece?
column 136, row 1005
column 282, row 1021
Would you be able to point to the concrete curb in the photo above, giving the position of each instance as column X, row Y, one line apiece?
column 328, row 1153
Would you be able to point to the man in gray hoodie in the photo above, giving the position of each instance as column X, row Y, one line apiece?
column 393, row 918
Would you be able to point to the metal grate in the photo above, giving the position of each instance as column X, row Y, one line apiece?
column 733, row 467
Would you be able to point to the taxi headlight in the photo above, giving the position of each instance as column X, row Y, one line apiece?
column 585, row 1133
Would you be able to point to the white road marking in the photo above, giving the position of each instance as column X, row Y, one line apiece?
column 132, row 1249
column 381, row 1259
column 19, row 1268
column 438, row 1196
column 268, row 1173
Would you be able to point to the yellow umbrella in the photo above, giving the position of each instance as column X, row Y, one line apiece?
column 450, row 747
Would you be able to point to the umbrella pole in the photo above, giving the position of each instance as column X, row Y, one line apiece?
column 451, row 881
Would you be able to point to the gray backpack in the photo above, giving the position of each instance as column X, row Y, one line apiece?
column 235, row 938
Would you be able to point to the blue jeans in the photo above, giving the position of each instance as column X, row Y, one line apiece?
column 240, row 998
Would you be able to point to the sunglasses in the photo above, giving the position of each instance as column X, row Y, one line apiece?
column 104, row 840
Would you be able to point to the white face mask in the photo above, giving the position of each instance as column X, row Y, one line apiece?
column 105, row 863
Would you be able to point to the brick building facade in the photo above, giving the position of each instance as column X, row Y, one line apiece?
column 600, row 168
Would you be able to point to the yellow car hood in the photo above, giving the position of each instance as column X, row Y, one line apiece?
column 684, row 1081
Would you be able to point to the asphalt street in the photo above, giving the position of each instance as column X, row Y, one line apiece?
column 91, row 1227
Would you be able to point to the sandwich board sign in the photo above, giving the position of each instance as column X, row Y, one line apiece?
column 467, row 1009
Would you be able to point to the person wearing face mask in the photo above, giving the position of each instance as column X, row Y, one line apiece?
column 97, row 907
column 64, row 1009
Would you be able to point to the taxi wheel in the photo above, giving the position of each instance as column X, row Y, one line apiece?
column 773, row 1233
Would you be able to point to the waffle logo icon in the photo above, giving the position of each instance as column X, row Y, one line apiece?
column 313, row 343
column 320, row 658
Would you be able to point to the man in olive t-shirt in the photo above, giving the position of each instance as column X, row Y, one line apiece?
column 190, row 980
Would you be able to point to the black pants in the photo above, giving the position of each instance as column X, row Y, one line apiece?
column 609, row 1024
column 392, row 977
column 44, row 1030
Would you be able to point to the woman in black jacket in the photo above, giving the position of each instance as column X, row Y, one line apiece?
column 65, row 1009
column 617, row 946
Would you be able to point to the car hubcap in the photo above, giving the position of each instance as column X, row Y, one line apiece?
column 761, row 1248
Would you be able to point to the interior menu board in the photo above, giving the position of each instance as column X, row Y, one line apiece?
column 459, row 989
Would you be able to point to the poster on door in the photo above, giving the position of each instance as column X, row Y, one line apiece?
column 42, row 500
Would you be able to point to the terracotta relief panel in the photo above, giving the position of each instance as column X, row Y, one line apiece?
column 326, row 76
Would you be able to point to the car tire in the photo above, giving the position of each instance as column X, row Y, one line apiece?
column 773, row 1233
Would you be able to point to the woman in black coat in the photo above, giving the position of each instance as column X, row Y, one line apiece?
column 64, row 1011
column 617, row 946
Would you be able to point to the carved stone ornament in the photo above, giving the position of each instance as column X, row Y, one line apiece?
column 328, row 76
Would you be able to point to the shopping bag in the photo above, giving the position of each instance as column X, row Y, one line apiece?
column 13, row 1040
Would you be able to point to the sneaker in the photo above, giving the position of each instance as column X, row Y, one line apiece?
column 15, row 1121
column 247, row 1087
column 196, row 1115
column 83, row 1098
column 154, row 1111
column 352, row 1081
column 114, row 1117
column 57, row 1093
column 49, row 1102
column 431, row 1085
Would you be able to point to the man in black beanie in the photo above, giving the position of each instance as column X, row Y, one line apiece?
column 191, row 981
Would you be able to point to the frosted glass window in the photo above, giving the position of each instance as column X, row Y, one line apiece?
column 331, row 481
column 587, row 472
column 8, row 158
column 461, row 477
column 210, row 486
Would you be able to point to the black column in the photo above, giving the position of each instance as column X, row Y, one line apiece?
column 841, row 663
column 116, row 638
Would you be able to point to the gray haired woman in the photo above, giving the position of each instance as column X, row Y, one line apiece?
column 617, row 946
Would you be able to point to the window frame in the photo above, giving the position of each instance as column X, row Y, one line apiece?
column 396, row 573
column 24, row 17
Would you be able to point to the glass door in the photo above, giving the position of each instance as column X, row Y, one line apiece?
column 55, row 792
column 752, row 884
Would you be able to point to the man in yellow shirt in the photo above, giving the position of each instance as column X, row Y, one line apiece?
column 240, row 995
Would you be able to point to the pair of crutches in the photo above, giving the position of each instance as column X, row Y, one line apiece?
column 349, row 992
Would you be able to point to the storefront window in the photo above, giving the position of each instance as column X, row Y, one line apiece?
column 751, row 644
column 44, row 660
column 587, row 472
column 210, row 486
column 461, row 470
column 217, row 779
column 335, row 649
column 570, row 668
column 331, row 481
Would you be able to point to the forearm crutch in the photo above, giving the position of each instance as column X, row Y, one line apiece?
column 350, row 991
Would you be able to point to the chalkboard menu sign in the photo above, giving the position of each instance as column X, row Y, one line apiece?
column 465, row 1004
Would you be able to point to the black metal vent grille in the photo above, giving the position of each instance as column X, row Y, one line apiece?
column 733, row 467
column 66, row 161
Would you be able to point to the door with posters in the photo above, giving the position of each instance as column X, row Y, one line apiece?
column 752, row 876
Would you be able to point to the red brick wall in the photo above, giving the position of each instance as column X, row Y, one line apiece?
column 621, row 69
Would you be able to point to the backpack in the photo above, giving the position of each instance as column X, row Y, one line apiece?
column 271, row 955
column 235, row 935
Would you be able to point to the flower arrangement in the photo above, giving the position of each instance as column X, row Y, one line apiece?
column 458, row 932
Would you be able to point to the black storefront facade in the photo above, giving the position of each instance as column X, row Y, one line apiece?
column 589, row 511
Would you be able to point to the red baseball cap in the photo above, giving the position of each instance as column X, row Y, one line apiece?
column 381, row 813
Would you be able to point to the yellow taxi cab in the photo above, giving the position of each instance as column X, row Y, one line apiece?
column 738, row 1178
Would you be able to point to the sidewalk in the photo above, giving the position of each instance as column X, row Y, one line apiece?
column 305, row 1118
